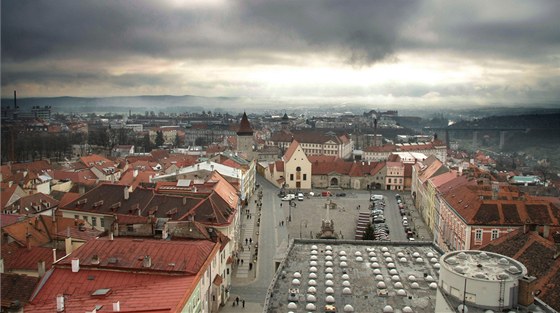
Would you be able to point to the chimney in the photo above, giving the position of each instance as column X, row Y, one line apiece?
column 75, row 265
column 15, row 100
column 54, row 255
column 126, row 193
column 147, row 261
column 41, row 268
column 68, row 248
column 111, row 236
column 10, row 183
column 185, row 200
column 60, row 303
column 81, row 189
column 526, row 290
column 546, row 231
column 1, row 265
column 135, row 173
column 117, row 306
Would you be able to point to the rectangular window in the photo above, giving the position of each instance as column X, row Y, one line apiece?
column 478, row 235
column 85, row 218
column 495, row 234
column 102, row 222
column 76, row 217
column 129, row 227
column 304, row 176
column 291, row 176
column 94, row 221
column 389, row 181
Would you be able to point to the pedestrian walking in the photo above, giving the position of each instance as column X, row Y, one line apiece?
column 280, row 204
column 238, row 262
column 250, row 266
column 243, row 302
column 282, row 223
column 241, row 262
column 246, row 241
column 250, row 241
column 237, row 300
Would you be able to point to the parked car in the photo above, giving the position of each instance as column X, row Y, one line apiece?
column 376, row 197
column 405, row 223
column 289, row 197
column 326, row 193
column 341, row 194
column 300, row 196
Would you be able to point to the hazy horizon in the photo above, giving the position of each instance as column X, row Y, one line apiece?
column 396, row 54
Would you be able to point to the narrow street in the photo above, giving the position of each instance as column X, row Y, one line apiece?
column 272, row 243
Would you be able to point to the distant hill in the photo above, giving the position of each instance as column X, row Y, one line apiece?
column 138, row 104
column 529, row 121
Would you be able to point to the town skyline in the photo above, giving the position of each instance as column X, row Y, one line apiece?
column 427, row 54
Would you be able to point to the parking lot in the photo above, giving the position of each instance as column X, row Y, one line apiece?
column 306, row 215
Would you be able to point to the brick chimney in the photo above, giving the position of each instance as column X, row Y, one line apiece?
column 126, row 193
column 526, row 288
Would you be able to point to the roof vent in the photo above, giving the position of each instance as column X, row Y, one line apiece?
column 147, row 261
column 513, row 270
column 451, row 261
column 112, row 260
column 503, row 261
column 102, row 292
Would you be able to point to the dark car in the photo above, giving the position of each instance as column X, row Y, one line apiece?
column 341, row 194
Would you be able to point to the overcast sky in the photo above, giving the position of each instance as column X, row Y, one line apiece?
column 400, row 52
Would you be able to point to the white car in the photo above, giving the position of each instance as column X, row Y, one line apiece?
column 300, row 196
column 289, row 197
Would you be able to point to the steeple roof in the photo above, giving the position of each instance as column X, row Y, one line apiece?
column 245, row 126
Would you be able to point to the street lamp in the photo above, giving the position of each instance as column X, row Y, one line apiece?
column 300, row 223
column 290, row 211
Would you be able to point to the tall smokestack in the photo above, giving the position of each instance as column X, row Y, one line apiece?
column 15, row 100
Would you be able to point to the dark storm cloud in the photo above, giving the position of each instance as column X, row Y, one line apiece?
column 489, row 29
column 119, row 43
column 359, row 31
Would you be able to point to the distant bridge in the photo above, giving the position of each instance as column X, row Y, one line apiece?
column 503, row 131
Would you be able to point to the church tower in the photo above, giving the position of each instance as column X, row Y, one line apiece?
column 285, row 123
column 245, row 137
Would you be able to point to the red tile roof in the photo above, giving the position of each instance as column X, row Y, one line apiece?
column 9, row 219
column 290, row 151
column 182, row 257
column 508, row 209
column 89, row 160
column 34, row 203
column 39, row 230
column 537, row 254
column 136, row 292
column 279, row 166
column 17, row 257
column 68, row 197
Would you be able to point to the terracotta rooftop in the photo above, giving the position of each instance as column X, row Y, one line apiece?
column 537, row 254
column 33, row 203
column 291, row 149
column 38, row 230
column 181, row 257
column 135, row 292
column 92, row 159
column 17, row 257
column 476, row 205
column 9, row 219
